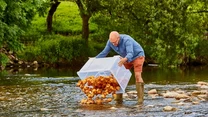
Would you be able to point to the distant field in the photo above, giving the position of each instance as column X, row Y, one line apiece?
column 66, row 19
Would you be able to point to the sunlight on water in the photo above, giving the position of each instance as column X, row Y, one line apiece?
column 53, row 92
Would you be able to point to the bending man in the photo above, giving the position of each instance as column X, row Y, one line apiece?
column 132, row 55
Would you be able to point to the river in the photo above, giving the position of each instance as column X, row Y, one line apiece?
column 53, row 93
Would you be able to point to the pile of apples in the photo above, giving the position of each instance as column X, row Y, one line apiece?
column 98, row 88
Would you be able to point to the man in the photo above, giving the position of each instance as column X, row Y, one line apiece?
column 132, row 55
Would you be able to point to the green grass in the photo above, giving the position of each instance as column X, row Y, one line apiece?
column 66, row 20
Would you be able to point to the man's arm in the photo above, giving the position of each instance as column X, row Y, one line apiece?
column 129, row 53
column 129, row 49
column 105, row 51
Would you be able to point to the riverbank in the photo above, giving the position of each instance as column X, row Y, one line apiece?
column 15, row 63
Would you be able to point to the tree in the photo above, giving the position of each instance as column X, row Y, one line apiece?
column 15, row 18
column 54, row 5
column 87, row 8
column 168, row 30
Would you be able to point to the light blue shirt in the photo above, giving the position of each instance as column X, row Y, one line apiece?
column 127, row 47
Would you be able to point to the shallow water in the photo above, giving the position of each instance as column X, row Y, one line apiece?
column 53, row 93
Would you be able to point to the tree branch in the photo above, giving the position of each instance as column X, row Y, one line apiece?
column 79, row 3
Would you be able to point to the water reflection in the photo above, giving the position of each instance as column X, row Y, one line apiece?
column 174, row 75
column 53, row 92
column 150, row 75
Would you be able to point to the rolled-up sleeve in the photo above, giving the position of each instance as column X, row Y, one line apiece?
column 105, row 51
column 129, row 50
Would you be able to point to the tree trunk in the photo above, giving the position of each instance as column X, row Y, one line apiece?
column 85, row 21
column 50, row 15
column 85, row 27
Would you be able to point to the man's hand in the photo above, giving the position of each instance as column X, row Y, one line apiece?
column 122, row 61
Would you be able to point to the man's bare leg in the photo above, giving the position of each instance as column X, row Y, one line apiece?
column 138, row 76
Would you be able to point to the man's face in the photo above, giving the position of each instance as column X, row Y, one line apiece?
column 114, row 40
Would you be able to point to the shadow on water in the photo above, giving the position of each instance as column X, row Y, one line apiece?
column 95, row 107
column 53, row 92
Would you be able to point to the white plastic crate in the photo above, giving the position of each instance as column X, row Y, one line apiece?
column 105, row 67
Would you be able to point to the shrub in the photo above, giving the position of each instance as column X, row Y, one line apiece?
column 58, row 49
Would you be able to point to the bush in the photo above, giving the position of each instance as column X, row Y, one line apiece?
column 201, row 51
column 58, row 49
column 4, row 60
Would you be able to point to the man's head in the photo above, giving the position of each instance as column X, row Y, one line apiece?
column 114, row 38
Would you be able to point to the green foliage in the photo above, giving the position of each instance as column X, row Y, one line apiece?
column 168, row 30
column 15, row 18
column 4, row 60
column 57, row 49
column 30, row 53
column 202, row 51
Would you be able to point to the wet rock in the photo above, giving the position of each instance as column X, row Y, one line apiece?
column 204, row 87
column 195, row 102
column 181, row 103
column 149, row 106
column 78, row 110
column 2, row 99
column 195, row 93
column 176, row 101
column 35, row 69
column 180, row 92
column 11, row 57
column 113, row 108
column 35, row 63
column 10, row 52
column 169, row 94
column 169, row 108
column 132, row 94
column 181, row 96
column 20, row 62
column 11, row 62
column 152, row 91
column 19, row 98
column 194, row 99
column 204, row 96
column 202, row 83
column 45, row 109
column 176, row 95
column 189, row 112
column 125, row 95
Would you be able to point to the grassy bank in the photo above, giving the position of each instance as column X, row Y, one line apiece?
column 64, row 45
column 66, row 21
